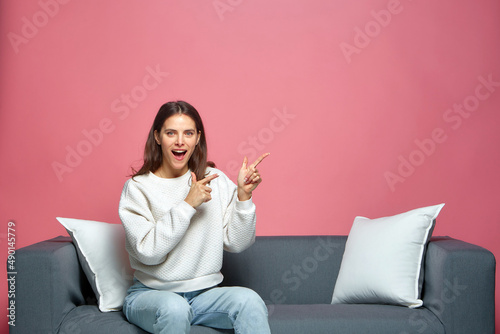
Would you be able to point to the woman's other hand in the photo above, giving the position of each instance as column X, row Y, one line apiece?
column 249, row 178
column 200, row 191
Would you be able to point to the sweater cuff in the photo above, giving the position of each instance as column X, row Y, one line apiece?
column 244, row 205
column 188, row 209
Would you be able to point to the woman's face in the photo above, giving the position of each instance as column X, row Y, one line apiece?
column 178, row 138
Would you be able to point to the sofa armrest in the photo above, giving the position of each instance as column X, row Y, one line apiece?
column 459, row 285
column 49, row 285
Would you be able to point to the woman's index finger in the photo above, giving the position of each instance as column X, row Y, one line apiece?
column 209, row 178
column 259, row 159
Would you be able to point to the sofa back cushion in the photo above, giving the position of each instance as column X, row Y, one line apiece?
column 287, row 269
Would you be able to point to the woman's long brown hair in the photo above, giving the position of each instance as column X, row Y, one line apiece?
column 153, row 156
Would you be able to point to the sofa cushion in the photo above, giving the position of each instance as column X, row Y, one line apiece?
column 102, row 255
column 283, row 319
column 351, row 319
column 287, row 269
column 383, row 259
column 87, row 319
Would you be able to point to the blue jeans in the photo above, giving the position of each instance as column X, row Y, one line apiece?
column 161, row 312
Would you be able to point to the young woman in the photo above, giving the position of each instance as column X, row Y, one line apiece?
column 179, row 215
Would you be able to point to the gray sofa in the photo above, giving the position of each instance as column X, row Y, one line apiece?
column 295, row 275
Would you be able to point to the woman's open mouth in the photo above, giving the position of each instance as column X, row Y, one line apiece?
column 179, row 154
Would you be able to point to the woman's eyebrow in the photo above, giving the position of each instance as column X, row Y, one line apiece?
column 174, row 130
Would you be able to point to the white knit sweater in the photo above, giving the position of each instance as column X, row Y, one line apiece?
column 173, row 246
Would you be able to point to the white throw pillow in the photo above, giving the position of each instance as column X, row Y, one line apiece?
column 383, row 259
column 102, row 255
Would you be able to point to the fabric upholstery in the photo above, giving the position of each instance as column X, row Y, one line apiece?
column 295, row 275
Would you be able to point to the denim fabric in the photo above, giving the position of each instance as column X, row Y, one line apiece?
column 161, row 312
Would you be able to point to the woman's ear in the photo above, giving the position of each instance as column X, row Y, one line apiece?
column 199, row 136
column 157, row 139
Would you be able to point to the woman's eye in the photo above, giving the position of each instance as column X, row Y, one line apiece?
column 170, row 133
column 189, row 133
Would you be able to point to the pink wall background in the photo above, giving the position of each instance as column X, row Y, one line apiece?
column 369, row 108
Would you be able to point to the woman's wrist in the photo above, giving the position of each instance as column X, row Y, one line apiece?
column 243, row 196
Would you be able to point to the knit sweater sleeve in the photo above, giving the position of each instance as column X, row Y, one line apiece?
column 239, row 220
column 150, row 236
